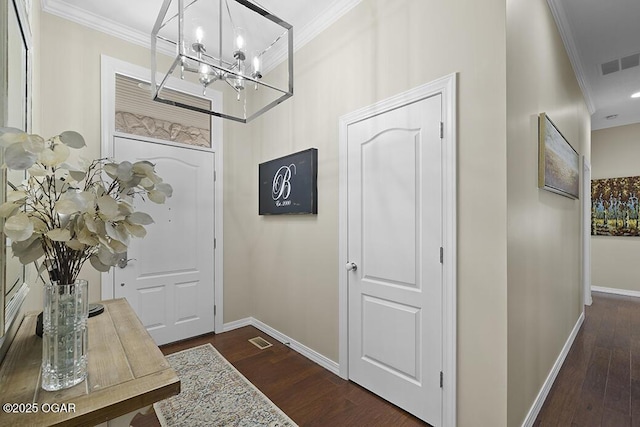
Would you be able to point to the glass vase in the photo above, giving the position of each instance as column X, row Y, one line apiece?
column 64, row 335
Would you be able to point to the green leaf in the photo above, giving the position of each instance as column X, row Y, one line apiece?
column 72, row 139
column 17, row 158
column 140, row 218
column 18, row 227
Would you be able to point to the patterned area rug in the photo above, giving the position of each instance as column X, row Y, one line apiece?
column 214, row 393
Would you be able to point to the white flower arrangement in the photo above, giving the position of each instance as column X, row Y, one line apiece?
column 69, row 214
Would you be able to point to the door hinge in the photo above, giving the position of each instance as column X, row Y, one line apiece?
column 441, row 255
column 215, row 310
column 215, row 174
column 441, row 130
column 215, row 243
column 441, row 379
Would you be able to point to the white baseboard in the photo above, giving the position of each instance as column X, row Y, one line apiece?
column 307, row 352
column 616, row 291
column 237, row 324
column 546, row 387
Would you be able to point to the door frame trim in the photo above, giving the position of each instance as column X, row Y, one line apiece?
column 586, row 232
column 109, row 68
column 445, row 86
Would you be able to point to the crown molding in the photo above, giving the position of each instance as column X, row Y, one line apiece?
column 307, row 33
column 96, row 22
column 564, row 28
column 64, row 10
column 321, row 22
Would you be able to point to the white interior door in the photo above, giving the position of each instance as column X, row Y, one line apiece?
column 394, row 249
column 169, row 280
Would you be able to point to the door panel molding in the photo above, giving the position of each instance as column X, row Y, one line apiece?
column 446, row 87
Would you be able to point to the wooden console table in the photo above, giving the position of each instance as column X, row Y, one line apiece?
column 126, row 372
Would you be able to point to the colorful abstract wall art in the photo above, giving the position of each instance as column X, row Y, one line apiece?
column 614, row 206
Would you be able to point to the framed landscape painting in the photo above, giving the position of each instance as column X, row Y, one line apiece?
column 558, row 162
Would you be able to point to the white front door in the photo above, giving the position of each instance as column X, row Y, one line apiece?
column 169, row 279
column 394, row 248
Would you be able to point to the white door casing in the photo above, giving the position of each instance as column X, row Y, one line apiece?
column 586, row 231
column 169, row 278
column 397, row 196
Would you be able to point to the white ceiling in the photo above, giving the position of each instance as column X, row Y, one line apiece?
column 594, row 32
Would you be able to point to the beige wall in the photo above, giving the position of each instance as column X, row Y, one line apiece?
column 544, row 261
column 70, row 88
column 615, row 153
column 289, row 265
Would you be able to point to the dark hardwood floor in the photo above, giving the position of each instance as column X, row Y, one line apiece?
column 309, row 394
column 599, row 382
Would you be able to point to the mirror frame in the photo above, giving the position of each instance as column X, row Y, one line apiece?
column 9, row 309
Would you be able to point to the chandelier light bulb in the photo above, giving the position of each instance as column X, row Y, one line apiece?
column 240, row 40
column 257, row 74
column 199, row 34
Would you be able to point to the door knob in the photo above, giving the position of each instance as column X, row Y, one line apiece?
column 351, row 266
column 122, row 262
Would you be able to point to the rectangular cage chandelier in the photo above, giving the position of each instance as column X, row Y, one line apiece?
column 224, row 46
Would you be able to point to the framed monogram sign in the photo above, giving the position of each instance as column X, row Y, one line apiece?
column 288, row 185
